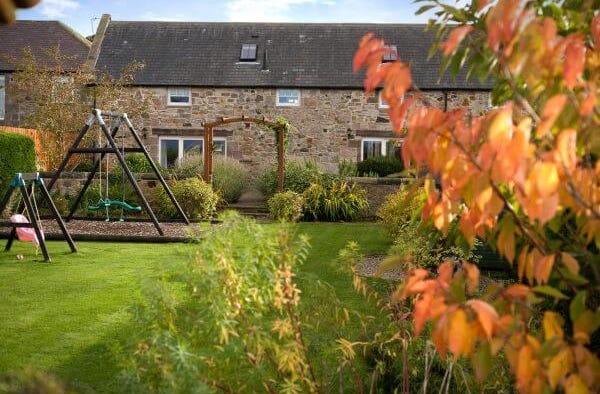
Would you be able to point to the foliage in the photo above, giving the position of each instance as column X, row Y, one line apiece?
column 237, row 299
column 524, row 177
column 138, row 164
column 347, row 168
column 60, row 98
column 379, row 166
column 230, row 178
column 30, row 381
column 286, row 206
column 17, row 154
column 189, row 166
column 196, row 198
column 334, row 200
column 401, row 208
column 298, row 177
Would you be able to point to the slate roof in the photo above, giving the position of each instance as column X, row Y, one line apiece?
column 295, row 54
column 40, row 36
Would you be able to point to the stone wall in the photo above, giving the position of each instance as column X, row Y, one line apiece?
column 328, row 124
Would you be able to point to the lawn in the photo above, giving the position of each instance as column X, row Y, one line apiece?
column 71, row 316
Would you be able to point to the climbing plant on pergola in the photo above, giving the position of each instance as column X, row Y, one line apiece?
column 280, row 127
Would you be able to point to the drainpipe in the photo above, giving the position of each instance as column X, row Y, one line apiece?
column 445, row 101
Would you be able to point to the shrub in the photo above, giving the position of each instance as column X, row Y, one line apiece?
column 188, row 167
column 401, row 208
column 334, row 200
column 298, row 177
column 347, row 168
column 196, row 197
column 17, row 154
column 286, row 206
column 380, row 166
column 138, row 163
column 230, row 178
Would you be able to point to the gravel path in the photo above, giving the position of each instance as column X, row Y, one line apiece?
column 116, row 228
column 370, row 264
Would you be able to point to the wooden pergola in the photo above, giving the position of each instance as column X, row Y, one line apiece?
column 278, row 127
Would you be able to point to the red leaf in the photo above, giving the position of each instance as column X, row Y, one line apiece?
column 574, row 60
column 457, row 35
column 421, row 312
column 595, row 27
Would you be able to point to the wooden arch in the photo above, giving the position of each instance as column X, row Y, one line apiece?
column 278, row 127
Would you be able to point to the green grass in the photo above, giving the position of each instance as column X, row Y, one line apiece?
column 70, row 317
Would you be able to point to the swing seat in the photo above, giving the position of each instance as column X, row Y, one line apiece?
column 114, row 203
column 25, row 234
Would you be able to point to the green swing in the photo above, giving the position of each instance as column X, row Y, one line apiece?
column 106, row 202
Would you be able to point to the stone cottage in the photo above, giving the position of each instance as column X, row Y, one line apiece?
column 39, row 36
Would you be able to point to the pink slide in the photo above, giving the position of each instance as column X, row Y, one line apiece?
column 23, row 233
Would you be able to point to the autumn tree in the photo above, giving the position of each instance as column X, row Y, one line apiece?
column 524, row 177
column 58, row 98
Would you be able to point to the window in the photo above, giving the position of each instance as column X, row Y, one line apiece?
column 248, row 53
column 179, row 96
column 375, row 147
column 392, row 55
column 173, row 149
column 288, row 98
column 2, row 95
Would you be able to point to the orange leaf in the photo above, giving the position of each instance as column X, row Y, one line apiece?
column 517, row 291
column 566, row 148
column 595, row 28
column 574, row 385
column 543, row 268
column 486, row 314
column 525, row 368
column 574, row 59
column 589, row 102
column 551, row 111
column 445, row 271
column 455, row 38
column 522, row 262
column 506, row 241
column 421, row 311
column 472, row 276
column 570, row 262
column 460, row 337
column 440, row 335
column 545, row 176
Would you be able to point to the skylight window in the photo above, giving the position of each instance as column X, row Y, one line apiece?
column 392, row 55
column 248, row 53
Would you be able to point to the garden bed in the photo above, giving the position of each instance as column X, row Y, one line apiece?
column 129, row 231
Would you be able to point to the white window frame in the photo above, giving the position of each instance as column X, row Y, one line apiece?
column 279, row 104
column 177, row 104
column 180, row 140
column 3, row 94
column 384, row 142
column 382, row 104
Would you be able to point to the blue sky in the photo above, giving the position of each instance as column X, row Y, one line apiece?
column 79, row 13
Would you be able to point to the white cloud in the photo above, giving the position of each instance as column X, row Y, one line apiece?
column 57, row 8
column 267, row 10
column 151, row 16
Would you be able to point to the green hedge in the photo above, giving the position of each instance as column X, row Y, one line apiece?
column 17, row 154
column 380, row 166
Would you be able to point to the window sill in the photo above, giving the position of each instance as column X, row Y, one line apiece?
column 179, row 105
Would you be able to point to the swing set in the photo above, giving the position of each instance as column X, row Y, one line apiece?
column 108, row 145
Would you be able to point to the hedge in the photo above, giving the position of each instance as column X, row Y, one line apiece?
column 379, row 166
column 17, row 154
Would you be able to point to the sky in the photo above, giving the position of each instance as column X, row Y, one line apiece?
column 83, row 14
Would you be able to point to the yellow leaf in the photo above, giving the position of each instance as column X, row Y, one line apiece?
column 486, row 315
column 546, row 178
column 574, row 385
column 553, row 325
column 559, row 366
column 460, row 335
column 570, row 262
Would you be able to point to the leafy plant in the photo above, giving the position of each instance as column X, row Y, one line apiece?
column 298, row 177
column 137, row 163
column 286, row 206
column 402, row 208
column 230, row 178
column 524, row 177
column 334, row 200
column 379, row 166
column 190, row 166
column 17, row 154
column 347, row 168
column 238, row 299
column 196, row 198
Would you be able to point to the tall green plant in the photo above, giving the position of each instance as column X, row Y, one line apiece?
column 334, row 200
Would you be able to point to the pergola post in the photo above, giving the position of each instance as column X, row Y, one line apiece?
column 208, row 153
column 280, row 159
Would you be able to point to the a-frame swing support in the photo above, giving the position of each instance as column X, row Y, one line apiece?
column 111, row 147
column 27, row 203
